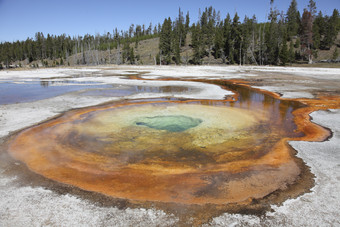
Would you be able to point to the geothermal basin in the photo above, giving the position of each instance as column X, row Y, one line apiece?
column 190, row 152
column 166, row 144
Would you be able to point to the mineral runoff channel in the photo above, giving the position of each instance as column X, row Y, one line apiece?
column 193, row 158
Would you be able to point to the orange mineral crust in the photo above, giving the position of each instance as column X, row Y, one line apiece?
column 187, row 152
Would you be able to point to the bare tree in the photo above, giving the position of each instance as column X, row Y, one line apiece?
column 307, row 34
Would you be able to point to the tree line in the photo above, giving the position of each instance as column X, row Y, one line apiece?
column 286, row 37
column 87, row 49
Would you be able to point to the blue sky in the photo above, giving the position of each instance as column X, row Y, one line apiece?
column 20, row 19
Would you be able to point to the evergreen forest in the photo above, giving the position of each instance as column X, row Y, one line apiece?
column 285, row 38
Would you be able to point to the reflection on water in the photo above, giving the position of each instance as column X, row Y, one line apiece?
column 29, row 91
column 280, row 111
column 125, row 90
column 49, row 83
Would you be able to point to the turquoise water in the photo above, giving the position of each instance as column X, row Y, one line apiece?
column 171, row 123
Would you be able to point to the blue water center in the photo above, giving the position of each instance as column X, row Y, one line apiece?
column 171, row 123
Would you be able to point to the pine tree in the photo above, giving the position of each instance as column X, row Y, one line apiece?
column 132, row 56
column 196, row 44
column 165, row 41
column 180, row 28
column 284, row 55
column 316, row 35
column 292, row 19
column 236, row 35
column 187, row 23
column 332, row 29
column 176, row 47
column 227, row 39
column 218, row 42
column 178, row 37
column 291, row 53
column 210, row 31
column 298, row 19
column 319, row 30
column 248, row 38
column 207, row 26
column 272, row 38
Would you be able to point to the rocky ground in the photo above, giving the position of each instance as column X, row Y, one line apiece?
column 25, row 204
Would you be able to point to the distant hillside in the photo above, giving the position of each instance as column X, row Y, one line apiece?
column 147, row 51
